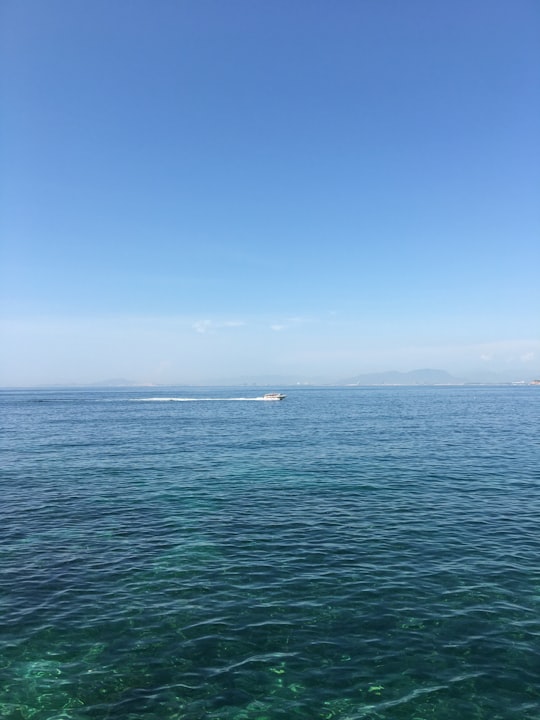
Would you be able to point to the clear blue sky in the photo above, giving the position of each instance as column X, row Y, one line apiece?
column 203, row 190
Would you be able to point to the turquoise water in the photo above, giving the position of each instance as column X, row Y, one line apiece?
column 346, row 553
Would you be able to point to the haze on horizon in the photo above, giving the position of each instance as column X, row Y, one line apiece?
column 199, row 191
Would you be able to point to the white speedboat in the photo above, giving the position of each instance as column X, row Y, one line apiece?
column 274, row 396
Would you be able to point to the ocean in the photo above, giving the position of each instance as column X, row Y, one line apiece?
column 195, row 553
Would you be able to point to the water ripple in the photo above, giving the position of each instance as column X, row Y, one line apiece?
column 343, row 554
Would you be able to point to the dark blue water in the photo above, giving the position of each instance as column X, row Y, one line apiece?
column 343, row 554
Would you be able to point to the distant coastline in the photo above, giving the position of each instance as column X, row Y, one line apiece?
column 367, row 382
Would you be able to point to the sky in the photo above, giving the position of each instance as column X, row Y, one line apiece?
column 204, row 191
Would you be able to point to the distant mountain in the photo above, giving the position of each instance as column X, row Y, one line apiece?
column 426, row 376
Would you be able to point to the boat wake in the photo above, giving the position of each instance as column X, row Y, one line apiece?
column 192, row 399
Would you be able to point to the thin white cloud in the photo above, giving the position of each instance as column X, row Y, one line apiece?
column 201, row 326
column 290, row 321
column 161, row 349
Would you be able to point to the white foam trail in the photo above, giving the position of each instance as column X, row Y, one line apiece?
column 188, row 399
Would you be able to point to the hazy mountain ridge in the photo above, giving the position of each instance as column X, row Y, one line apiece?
column 425, row 376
